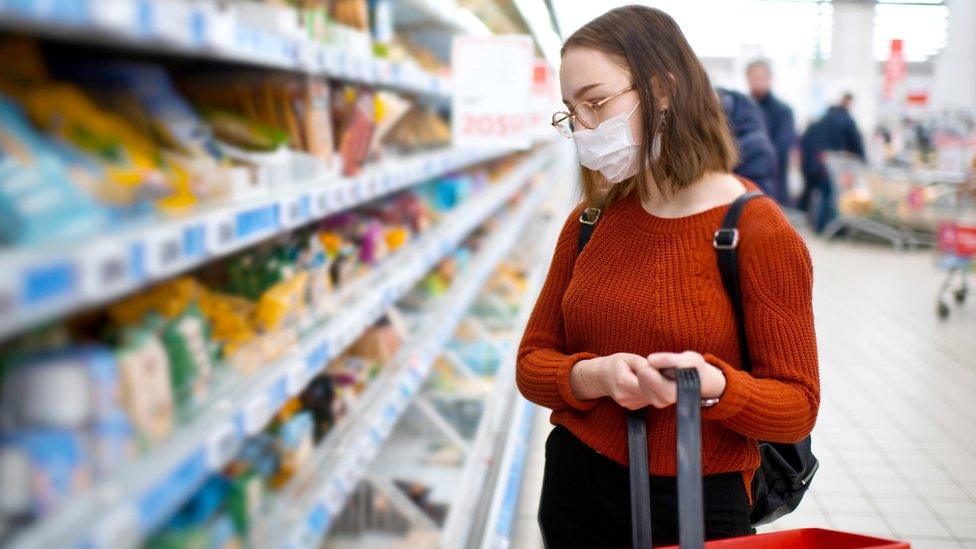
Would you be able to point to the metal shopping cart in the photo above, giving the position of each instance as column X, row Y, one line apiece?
column 905, row 206
column 857, row 195
column 957, row 248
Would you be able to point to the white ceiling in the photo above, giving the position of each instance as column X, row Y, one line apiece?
column 780, row 28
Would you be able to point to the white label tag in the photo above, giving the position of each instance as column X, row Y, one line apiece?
column 220, row 28
column 221, row 233
column 338, row 195
column 256, row 414
column 104, row 269
column 292, row 212
column 307, row 56
column 221, row 445
column 296, row 377
column 172, row 21
column 164, row 251
column 319, row 202
column 117, row 529
column 114, row 14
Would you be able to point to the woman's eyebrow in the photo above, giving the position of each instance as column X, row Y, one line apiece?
column 582, row 90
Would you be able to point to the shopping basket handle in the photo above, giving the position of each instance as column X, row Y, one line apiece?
column 691, row 513
column 640, row 489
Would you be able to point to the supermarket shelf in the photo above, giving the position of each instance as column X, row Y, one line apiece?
column 444, row 13
column 212, row 31
column 40, row 284
column 493, row 431
column 122, row 511
column 504, row 502
column 344, row 458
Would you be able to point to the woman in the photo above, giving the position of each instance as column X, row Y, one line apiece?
column 646, row 295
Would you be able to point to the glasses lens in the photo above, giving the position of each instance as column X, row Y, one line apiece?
column 586, row 115
column 562, row 122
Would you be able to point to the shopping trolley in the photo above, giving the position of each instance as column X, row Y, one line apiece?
column 860, row 201
column 957, row 246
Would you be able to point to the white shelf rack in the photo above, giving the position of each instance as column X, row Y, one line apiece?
column 307, row 509
column 123, row 510
column 39, row 284
column 215, row 31
column 445, row 13
column 483, row 498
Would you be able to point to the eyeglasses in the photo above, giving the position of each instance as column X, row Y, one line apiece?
column 583, row 112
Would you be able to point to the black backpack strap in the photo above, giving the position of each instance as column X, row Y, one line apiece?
column 726, row 243
column 640, row 488
column 588, row 220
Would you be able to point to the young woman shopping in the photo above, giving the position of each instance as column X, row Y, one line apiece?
column 645, row 294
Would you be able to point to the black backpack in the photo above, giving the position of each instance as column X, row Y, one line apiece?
column 786, row 470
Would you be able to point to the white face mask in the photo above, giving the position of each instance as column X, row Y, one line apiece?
column 609, row 148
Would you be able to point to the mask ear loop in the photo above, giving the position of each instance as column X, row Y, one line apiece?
column 632, row 111
column 656, row 142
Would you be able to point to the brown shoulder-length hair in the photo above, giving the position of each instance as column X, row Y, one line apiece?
column 695, row 137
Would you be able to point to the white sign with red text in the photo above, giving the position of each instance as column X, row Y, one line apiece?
column 492, row 80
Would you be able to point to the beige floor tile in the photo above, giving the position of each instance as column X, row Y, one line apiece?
column 901, row 507
column 953, row 509
column 859, row 524
column 919, row 527
column 963, row 528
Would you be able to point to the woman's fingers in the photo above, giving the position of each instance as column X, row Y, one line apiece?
column 662, row 392
column 662, row 361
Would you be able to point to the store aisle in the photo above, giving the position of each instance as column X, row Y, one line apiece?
column 895, row 434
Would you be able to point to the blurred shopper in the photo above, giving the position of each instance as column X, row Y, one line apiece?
column 779, row 124
column 836, row 131
column 645, row 294
column 757, row 156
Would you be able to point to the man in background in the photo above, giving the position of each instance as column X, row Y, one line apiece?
column 835, row 131
column 779, row 124
column 757, row 158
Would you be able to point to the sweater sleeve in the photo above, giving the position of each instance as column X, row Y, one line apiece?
column 778, row 401
column 543, row 366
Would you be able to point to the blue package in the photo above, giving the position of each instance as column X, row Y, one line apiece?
column 52, row 463
column 112, row 442
column 223, row 534
column 70, row 388
column 260, row 454
column 38, row 201
column 481, row 356
column 155, row 92
column 203, row 505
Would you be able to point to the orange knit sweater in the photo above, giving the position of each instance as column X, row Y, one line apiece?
column 647, row 284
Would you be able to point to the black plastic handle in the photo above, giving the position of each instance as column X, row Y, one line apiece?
column 640, row 488
column 691, row 512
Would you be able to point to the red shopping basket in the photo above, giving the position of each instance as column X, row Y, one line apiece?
column 807, row 538
column 957, row 239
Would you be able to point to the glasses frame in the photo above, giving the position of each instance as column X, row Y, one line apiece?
column 561, row 116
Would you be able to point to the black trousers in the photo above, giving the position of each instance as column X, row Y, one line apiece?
column 586, row 500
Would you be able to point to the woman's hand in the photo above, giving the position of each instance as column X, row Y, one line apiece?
column 711, row 378
column 618, row 376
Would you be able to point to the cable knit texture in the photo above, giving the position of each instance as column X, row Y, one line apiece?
column 647, row 284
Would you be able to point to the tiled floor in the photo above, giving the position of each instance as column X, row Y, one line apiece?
column 897, row 429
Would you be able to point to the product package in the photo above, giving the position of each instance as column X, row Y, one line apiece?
column 145, row 380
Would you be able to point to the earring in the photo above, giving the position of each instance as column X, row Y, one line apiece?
column 656, row 142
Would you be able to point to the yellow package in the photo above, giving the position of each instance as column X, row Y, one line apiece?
column 283, row 301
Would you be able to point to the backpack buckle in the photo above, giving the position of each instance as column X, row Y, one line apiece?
column 590, row 216
column 726, row 239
